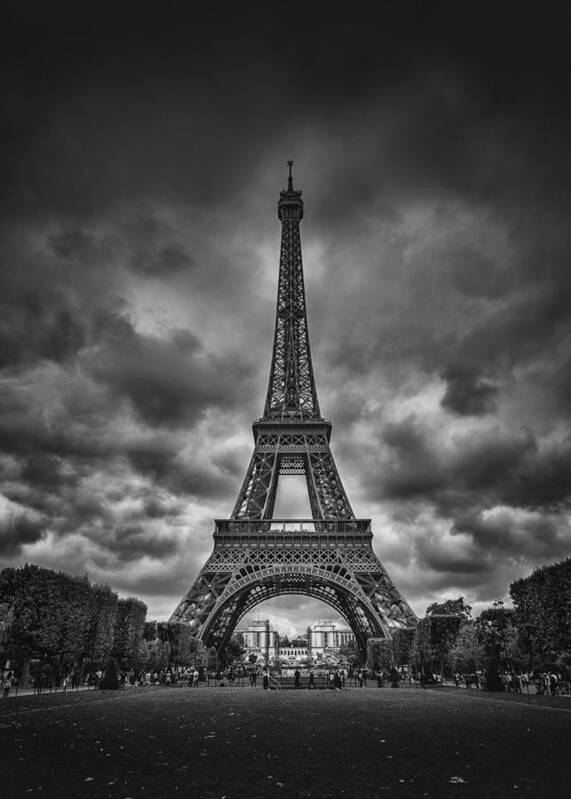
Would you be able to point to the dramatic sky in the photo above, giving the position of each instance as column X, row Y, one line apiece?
column 143, row 152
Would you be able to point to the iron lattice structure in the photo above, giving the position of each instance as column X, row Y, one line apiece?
column 328, row 557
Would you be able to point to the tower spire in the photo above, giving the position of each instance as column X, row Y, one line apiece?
column 291, row 389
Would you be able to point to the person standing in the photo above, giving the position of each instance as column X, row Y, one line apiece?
column 7, row 683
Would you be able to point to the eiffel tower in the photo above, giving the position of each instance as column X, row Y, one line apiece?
column 328, row 557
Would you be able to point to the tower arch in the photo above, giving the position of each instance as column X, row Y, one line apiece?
column 329, row 586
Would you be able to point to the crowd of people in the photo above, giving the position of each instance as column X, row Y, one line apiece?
column 548, row 683
column 188, row 676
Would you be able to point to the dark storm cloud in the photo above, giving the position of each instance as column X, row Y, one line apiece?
column 487, row 550
column 466, row 394
column 469, row 566
column 504, row 533
column 156, row 251
column 71, row 244
column 16, row 531
column 169, row 382
column 416, row 470
column 232, row 462
column 106, row 71
column 159, row 508
column 486, row 467
column 133, row 541
column 169, row 260
column 217, row 87
column 45, row 296
column 46, row 472
column 33, row 328
column 23, row 430
column 45, row 483
column 160, row 460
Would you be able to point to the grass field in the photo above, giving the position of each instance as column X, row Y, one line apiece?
column 229, row 743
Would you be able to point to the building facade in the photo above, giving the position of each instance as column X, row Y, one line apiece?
column 321, row 644
column 324, row 641
column 262, row 641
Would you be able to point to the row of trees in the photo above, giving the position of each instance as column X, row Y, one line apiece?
column 533, row 636
column 64, row 625
column 447, row 641
column 167, row 645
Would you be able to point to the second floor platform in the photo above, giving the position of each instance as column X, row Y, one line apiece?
column 286, row 533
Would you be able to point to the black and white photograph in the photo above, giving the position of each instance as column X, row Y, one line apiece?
column 285, row 400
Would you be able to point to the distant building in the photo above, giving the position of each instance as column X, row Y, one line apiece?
column 262, row 641
column 324, row 641
column 321, row 644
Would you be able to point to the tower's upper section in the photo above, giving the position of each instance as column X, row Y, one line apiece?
column 291, row 389
column 290, row 204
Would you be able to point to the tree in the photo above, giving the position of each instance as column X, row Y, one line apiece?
column 542, row 619
column 436, row 634
column 168, row 644
column 232, row 652
column 101, row 625
column 403, row 640
column 352, row 654
column 183, row 646
column 422, row 651
column 493, row 633
column 380, row 654
column 154, row 655
column 129, row 627
column 49, row 617
column 451, row 607
column 212, row 659
column 6, row 621
column 150, row 630
column 467, row 654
